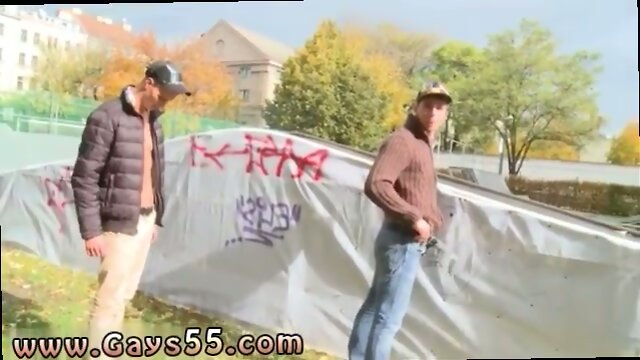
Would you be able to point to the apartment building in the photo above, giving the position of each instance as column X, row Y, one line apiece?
column 22, row 33
column 254, row 63
column 101, row 31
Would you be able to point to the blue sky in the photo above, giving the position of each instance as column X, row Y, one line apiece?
column 608, row 27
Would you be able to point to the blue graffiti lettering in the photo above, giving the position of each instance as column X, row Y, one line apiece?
column 264, row 221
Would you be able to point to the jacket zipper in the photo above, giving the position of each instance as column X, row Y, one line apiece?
column 154, row 165
column 143, row 163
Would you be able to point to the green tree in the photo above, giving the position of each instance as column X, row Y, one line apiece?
column 72, row 72
column 625, row 148
column 61, row 75
column 451, row 64
column 543, row 149
column 325, row 92
column 409, row 49
column 384, row 71
column 528, row 92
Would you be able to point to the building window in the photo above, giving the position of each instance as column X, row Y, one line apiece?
column 49, row 42
column 1, row 29
column 20, row 83
column 0, row 54
column 244, row 95
column 34, row 61
column 36, row 38
column 244, row 72
column 23, row 36
column 32, row 83
column 219, row 47
column 21, row 59
column 67, row 45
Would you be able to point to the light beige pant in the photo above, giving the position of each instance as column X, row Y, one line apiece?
column 120, row 272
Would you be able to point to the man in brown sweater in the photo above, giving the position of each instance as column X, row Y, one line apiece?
column 402, row 182
column 117, row 184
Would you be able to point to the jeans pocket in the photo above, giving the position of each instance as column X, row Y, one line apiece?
column 394, row 257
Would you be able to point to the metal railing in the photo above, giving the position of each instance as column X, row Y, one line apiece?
column 174, row 124
column 41, row 125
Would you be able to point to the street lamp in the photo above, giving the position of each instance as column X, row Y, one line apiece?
column 501, row 130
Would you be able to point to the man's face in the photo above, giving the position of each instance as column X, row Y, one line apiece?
column 155, row 97
column 432, row 113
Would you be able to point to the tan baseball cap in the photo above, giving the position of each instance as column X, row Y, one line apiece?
column 435, row 89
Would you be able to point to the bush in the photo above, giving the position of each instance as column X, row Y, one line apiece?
column 599, row 198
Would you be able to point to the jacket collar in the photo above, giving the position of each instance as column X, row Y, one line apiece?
column 413, row 125
column 126, row 97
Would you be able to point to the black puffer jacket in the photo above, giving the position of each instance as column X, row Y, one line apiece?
column 107, row 177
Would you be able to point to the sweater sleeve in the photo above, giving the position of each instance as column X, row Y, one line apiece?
column 392, row 159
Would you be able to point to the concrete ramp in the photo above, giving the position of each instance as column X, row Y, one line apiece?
column 273, row 229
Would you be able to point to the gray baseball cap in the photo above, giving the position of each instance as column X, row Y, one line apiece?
column 168, row 76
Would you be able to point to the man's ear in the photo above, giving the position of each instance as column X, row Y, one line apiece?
column 149, row 81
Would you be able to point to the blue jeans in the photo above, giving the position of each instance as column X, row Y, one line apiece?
column 397, row 258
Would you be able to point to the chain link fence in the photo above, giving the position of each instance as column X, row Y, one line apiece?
column 44, row 112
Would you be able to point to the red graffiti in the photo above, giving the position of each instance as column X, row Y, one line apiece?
column 257, row 150
column 59, row 194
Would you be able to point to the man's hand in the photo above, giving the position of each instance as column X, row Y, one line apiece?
column 95, row 247
column 423, row 229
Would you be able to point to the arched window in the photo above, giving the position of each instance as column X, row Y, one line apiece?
column 219, row 46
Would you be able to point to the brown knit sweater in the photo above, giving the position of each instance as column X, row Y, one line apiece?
column 402, row 180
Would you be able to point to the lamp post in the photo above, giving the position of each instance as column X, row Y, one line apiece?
column 501, row 150
column 446, row 132
column 501, row 143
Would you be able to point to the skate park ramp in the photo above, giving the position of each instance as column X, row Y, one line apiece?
column 484, row 179
column 273, row 229
column 19, row 150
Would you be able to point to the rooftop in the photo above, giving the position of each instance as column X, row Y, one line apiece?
column 101, row 28
column 272, row 49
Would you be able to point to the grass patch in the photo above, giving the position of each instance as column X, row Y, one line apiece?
column 40, row 300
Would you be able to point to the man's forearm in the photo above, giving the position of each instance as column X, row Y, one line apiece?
column 385, row 196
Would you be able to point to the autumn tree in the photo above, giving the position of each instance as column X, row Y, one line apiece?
column 527, row 92
column 126, row 66
column 409, row 49
column 204, row 76
column 387, row 75
column 325, row 92
column 625, row 148
column 68, row 71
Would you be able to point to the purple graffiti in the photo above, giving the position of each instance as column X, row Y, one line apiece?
column 264, row 221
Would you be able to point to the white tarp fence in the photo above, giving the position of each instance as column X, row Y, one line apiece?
column 275, row 230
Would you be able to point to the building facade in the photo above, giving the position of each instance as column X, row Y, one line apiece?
column 102, row 31
column 22, row 33
column 254, row 63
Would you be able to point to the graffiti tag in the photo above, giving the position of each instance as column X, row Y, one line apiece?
column 256, row 152
column 264, row 221
column 59, row 194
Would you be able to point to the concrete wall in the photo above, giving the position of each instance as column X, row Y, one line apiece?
column 548, row 169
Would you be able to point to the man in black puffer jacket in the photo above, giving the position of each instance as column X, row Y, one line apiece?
column 117, row 184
